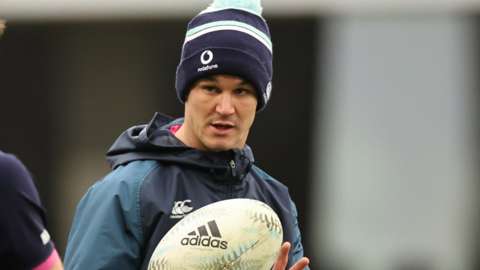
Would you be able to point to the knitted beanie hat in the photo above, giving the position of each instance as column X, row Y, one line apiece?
column 229, row 37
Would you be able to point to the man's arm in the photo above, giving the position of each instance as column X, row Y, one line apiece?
column 106, row 232
column 301, row 262
column 99, row 237
column 296, row 253
column 25, row 237
column 57, row 265
column 53, row 262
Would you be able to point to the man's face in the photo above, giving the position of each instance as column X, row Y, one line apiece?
column 219, row 112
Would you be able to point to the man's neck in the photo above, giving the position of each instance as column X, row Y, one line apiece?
column 180, row 131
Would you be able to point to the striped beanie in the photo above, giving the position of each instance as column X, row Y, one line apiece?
column 229, row 37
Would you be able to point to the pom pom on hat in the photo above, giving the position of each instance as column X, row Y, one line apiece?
column 229, row 37
column 253, row 6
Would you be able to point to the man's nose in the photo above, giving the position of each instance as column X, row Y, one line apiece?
column 225, row 104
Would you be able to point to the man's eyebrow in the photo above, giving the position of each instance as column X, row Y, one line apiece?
column 245, row 83
column 214, row 79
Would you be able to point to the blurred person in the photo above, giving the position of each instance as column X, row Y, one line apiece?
column 168, row 168
column 2, row 27
column 25, row 242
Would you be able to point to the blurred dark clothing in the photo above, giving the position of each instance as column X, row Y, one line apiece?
column 25, row 243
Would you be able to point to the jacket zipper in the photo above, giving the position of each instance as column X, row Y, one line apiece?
column 233, row 166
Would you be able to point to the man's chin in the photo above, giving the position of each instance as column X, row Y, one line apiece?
column 220, row 146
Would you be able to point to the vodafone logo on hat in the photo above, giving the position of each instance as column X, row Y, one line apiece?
column 206, row 57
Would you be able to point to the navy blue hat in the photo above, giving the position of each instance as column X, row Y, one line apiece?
column 229, row 37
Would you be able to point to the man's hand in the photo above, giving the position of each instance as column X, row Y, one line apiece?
column 282, row 260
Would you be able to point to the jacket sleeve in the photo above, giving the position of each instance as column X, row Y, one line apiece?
column 296, row 252
column 107, row 232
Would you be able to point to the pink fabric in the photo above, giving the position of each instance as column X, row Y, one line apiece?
column 49, row 262
column 175, row 128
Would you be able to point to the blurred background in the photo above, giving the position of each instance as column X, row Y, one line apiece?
column 373, row 122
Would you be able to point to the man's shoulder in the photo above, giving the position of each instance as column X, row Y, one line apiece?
column 125, row 177
column 133, row 172
column 267, row 178
column 13, row 174
column 135, row 168
column 10, row 165
column 119, row 187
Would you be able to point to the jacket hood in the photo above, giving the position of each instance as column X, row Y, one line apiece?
column 154, row 141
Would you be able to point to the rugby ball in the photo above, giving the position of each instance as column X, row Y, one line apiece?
column 232, row 234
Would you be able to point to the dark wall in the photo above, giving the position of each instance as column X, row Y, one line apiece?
column 25, row 115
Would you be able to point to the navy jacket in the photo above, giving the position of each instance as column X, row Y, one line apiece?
column 24, row 241
column 156, row 180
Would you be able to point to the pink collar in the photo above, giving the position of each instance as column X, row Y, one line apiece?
column 175, row 128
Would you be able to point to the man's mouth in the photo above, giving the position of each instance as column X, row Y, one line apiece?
column 223, row 126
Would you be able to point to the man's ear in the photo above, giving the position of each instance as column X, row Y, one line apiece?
column 187, row 94
column 189, row 89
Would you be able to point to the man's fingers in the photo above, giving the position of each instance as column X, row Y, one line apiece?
column 300, row 264
column 282, row 258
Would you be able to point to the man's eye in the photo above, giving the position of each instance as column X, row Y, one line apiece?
column 243, row 91
column 210, row 89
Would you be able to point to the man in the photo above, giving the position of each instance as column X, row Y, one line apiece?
column 25, row 243
column 168, row 168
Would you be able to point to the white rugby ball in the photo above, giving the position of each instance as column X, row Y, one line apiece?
column 232, row 234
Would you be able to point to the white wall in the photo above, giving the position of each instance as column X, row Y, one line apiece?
column 88, row 9
column 398, row 175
